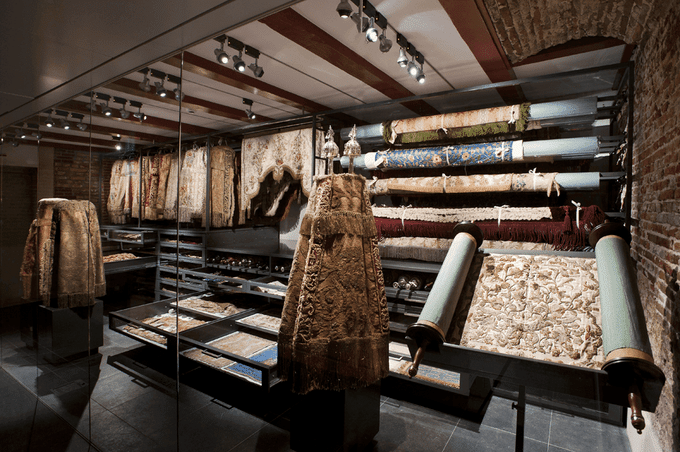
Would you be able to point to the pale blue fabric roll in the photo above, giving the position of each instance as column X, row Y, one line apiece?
column 579, row 181
column 623, row 320
column 443, row 299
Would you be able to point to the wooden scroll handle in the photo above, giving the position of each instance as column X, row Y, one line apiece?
column 413, row 369
column 635, row 403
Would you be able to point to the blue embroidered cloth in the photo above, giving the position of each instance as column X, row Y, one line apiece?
column 443, row 156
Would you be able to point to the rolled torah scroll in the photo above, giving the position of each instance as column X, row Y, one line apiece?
column 628, row 353
column 436, row 316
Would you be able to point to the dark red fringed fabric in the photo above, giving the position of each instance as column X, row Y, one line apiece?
column 561, row 232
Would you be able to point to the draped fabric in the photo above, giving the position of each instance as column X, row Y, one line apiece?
column 151, row 179
column 465, row 214
column 222, row 201
column 170, row 207
column 562, row 232
column 276, row 153
column 163, row 174
column 479, row 183
column 119, row 202
column 476, row 123
column 134, row 187
column 335, row 324
column 443, row 156
column 63, row 255
column 192, row 181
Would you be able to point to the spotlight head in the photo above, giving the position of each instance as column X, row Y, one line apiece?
column 385, row 43
column 22, row 134
column 221, row 55
column 124, row 113
column 144, row 85
column 160, row 89
column 49, row 122
column 81, row 125
column 64, row 124
column 371, row 32
column 239, row 65
column 344, row 9
column 119, row 146
column 257, row 70
column 250, row 114
column 178, row 95
column 37, row 135
column 402, row 60
column 105, row 109
column 420, row 77
column 412, row 68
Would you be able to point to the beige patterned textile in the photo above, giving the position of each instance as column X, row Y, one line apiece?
column 192, row 185
column 222, row 201
column 170, row 206
column 163, row 174
column 285, row 151
column 479, row 183
column 541, row 307
column 457, row 120
column 134, row 188
column 464, row 214
column 119, row 202
column 335, row 324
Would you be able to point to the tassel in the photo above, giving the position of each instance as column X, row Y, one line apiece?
column 567, row 228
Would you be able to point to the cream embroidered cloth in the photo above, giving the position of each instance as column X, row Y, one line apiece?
column 119, row 202
column 507, row 114
column 134, row 188
column 479, row 183
column 163, row 174
column 222, row 202
column 276, row 153
column 466, row 214
column 170, row 207
column 541, row 307
column 192, row 185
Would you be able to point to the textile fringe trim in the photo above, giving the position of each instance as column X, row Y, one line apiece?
column 339, row 223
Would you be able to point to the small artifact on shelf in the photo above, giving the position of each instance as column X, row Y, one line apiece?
column 133, row 237
column 119, row 257
column 170, row 322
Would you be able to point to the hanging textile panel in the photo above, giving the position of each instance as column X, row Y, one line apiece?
column 119, row 203
column 222, row 202
column 134, row 187
column 562, row 232
column 443, row 156
column 192, row 181
column 163, row 175
column 478, row 183
column 276, row 153
column 151, row 166
column 541, row 307
column 63, row 255
column 170, row 207
column 464, row 214
column 335, row 325
column 465, row 124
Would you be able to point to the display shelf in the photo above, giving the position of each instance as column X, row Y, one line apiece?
column 141, row 263
column 142, row 237
column 257, row 286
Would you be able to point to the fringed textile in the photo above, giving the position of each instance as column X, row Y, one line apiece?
column 335, row 324
column 170, row 208
column 464, row 214
column 63, row 254
column 443, row 156
column 561, row 232
column 276, row 153
column 466, row 124
column 192, row 185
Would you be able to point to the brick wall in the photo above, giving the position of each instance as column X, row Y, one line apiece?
column 76, row 176
column 656, row 206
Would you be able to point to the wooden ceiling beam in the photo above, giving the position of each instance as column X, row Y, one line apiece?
column 131, row 87
column 222, row 74
column 150, row 121
column 67, row 146
column 75, row 138
column 298, row 29
column 474, row 25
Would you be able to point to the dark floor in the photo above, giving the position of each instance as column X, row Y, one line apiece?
column 128, row 402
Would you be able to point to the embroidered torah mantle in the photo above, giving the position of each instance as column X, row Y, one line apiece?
column 335, row 325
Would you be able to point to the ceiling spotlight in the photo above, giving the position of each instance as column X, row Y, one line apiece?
column 22, row 134
column 81, row 125
column 371, row 32
column 49, row 122
column 139, row 115
column 362, row 25
column 64, row 124
column 412, row 68
column 402, row 60
column 179, row 95
column 119, row 145
column 239, row 65
column 420, row 75
column 344, row 9
column 144, row 85
column 160, row 89
column 15, row 143
column 124, row 113
column 221, row 55
column 385, row 43
column 105, row 108
column 249, row 111
column 257, row 70
column 37, row 135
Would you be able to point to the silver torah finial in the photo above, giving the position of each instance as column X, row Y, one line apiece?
column 330, row 149
column 352, row 148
